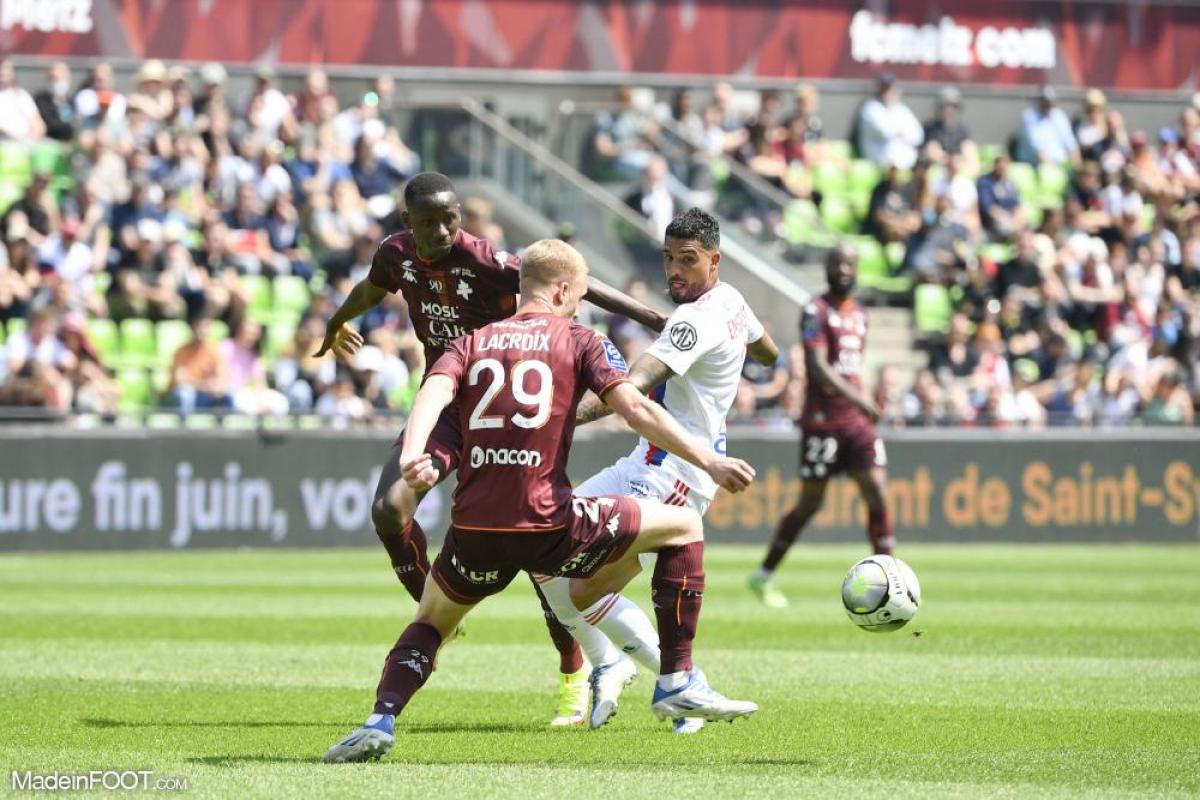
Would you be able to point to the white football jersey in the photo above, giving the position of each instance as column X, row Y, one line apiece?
column 704, row 344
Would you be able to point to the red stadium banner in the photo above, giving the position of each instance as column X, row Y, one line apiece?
column 1129, row 45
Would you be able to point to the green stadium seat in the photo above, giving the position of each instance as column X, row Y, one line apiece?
column 160, row 379
column 290, row 293
column 10, row 193
column 171, row 334
column 874, row 271
column 258, row 294
column 1024, row 177
column 988, row 153
column 830, row 180
column 100, row 282
column 802, row 226
column 838, row 214
column 863, row 177
column 49, row 157
column 719, row 167
column 202, row 422
column 16, row 325
column 137, row 393
column 932, row 309
column 105, row 338
column 137, row 343
column 218, row 330
column 279, row 335
column 239, row 422
column 839, row 149
column 1052, row 182
column 997, row 252
column 163, row 421
column 15, row 162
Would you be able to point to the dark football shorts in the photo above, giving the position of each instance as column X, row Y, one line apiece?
column 474, row 564
column 825, row 453
column 445, row 441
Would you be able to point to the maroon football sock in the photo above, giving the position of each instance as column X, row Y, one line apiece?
column 408, row 666
column 406, row 548
column 677, row 589
column 879, row 530
column 570, row 657
column 789, row 527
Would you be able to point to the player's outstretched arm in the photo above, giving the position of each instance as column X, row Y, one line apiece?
column 617, row 302
column 416, row 465
column 647, row 372
column 652, row 421
column 341, row 339
column 821, row 370
column 764, row 351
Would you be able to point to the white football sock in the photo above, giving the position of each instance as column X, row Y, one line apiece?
column 673, row 681
column 763, row 574
column 628, row 626
column 596, row 646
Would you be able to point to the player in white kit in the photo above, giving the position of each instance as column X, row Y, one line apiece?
column 693, row 369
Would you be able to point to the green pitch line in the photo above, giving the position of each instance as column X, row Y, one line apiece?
column 1039, row 672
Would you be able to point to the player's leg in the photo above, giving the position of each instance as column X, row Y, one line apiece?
column 450, row 593
column 872, row 484
column 556, row 592
column 866, row 462
column 676, row 535
column 571, row 702
column 791, row 524
column 392, row 512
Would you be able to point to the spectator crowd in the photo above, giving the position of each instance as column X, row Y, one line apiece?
column 182, row 244
column 1054, row 271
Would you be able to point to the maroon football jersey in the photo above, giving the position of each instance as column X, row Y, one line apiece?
column 519, row 382
column 842, row 330
column 472, row 285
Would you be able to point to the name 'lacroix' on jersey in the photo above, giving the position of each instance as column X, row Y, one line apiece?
column 841, row 328
column 518, row 383
column 472, row 285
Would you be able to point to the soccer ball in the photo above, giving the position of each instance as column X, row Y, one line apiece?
column 881, row 593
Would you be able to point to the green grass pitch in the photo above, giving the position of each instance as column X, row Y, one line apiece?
column 1039, row 672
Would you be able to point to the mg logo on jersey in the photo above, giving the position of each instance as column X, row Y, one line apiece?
column 683, row 336
column 501, row 457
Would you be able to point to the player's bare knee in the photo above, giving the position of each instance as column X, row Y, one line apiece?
column 393, row 508
column 687, row 528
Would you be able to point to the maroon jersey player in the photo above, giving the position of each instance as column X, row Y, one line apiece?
column 453, row 283
column 838, row 424
column 515, row 386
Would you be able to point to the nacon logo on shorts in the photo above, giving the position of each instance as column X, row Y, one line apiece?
column 501, row 457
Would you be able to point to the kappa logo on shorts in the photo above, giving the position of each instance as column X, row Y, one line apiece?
column 683, row 336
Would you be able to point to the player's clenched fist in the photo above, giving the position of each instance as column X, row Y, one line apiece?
column 419, row 473
column 731, row 474
column 343, row 340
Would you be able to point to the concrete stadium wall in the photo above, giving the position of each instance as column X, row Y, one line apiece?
column 64, row 490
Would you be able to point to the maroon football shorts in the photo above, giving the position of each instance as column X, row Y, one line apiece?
column 445, row 441
column 827, row 452
column 474, row 564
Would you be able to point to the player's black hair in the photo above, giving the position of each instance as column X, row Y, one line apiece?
column 426, row 184
column 696, row 224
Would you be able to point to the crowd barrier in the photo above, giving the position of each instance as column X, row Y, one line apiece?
column 113, row 489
